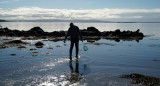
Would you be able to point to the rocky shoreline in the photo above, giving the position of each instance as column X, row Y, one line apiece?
column 142, row 79
column 89, row 34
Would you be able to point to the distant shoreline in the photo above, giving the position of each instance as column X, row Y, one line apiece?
column 3, row 20
column 75, row 21
column 82, row 22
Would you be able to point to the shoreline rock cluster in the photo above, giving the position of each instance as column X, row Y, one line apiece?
column 89, row 33
column 13, row 43
column 142, row 79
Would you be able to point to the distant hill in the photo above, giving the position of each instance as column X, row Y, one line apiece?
column 58, row 20
column 1, row 20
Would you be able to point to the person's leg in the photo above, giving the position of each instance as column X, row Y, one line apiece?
column 71, row 48
column 77, row 48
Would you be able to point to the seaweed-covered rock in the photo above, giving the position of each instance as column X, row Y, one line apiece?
column 36, row 31
column 95, row 30
column 12, row 43
column 58, row 33
column 91, row 31
column 117, row 32
column 18, row 33
column 143, row 79
column 16, row 42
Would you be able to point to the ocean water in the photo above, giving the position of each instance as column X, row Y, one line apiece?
column 100, row 65
column 146, row 28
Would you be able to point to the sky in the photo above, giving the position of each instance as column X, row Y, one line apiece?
column 105, row 10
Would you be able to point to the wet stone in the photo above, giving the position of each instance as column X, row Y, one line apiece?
column 13, row 54
column 58, row 45
column 50, row 48
column 39, row 44
column 16, row 42
column 34, row 55
column 20, row 47
column 47, row 53
column 32, row 49
column 34, row 52
column 156, row 60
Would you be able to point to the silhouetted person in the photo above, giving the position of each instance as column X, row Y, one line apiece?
column 74, row 33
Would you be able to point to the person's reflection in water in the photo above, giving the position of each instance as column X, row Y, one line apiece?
column 74, row 75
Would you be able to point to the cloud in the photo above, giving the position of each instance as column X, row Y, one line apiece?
column 8, row 1
column 32, row 13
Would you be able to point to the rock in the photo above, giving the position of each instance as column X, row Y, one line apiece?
column 117, row 32
column 34, row 55
column 58, row 45
column 137, row 31
column 36, row 31
column 143, row 79
column 6, row 29
column 12, row 43
column 39, row 44
column 21, row 47
column 57, row 33
column 156, row 60
column 96, row 43
column 50, row 48
column 94, row 31
column 16, row 42
column 34, row 52
column 12, row 54
column 47, row 53
column 1, row 31
column 32, row 49
column 3, row 46
column 18, row 33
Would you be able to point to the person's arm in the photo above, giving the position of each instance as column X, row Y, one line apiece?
column 67, row 35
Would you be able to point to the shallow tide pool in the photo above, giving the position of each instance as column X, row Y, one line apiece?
column 102, row 64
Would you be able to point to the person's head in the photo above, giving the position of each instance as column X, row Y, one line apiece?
column 71, row 24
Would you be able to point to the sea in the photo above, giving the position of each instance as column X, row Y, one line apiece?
column 101, row 65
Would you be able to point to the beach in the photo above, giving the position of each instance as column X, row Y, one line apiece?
column 102, row 64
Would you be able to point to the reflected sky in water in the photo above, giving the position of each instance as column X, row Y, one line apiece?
column 101, row 65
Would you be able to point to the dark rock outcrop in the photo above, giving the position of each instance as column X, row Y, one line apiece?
column 57, row 33
column 90, row 32
column 118, row 35
column 36, row 31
